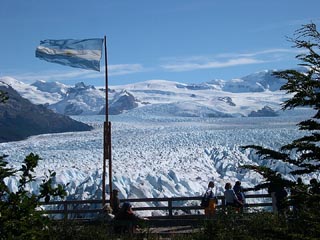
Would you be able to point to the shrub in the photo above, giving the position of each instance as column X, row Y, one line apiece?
column 19, row 215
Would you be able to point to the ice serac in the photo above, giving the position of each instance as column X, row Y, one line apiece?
column 19, row 119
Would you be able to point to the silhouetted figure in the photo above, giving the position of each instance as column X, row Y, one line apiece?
column 230, row 197
column 272, row 191
column 125, row 221
column 276, row 188
column 281, row 195
column 115, row 202
column 298, row 196
column 314, row 186
column 277, row 192
column 239, row 191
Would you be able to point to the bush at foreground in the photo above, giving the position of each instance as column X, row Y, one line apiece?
column 260, row 225
column 19, row 215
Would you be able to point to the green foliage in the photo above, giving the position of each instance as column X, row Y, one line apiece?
column 246, row 226
column 260, row 225
column 303, row 153
column 306, row 90
column 3, row 97
column 4, row 173
column 20, row 218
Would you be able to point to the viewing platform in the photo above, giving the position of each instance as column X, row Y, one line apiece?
column 170, row 208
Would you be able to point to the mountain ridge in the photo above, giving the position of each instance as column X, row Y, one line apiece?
column 19, row 118
column 218, row 97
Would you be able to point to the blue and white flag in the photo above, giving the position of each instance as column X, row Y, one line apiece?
column 84, row 53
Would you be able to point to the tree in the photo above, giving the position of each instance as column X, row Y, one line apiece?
column 304, row 153
column 3, row 96
column 19, row 215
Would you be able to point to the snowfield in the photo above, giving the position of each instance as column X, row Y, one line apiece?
column 156, row 157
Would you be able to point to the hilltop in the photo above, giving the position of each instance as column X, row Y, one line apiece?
column 19, row 118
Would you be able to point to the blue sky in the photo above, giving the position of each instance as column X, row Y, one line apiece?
column 189, row 41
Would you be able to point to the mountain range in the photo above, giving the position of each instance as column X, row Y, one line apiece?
column 254, row 95
column 19, row 118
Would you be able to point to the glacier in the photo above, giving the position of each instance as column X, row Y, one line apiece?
column 157, row 156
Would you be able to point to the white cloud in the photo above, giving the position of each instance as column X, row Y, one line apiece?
column 74, row 73
column 226, row 60
column 124, row 69
column 267, row 52
column 180, row 67
column 51, row 75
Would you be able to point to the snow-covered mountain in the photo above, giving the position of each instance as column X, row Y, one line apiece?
column 216, row 98
column 19, row 118
column 51, row 87
column 80, row 100
column 122, row 102
column 256, row 82
column 32, row 93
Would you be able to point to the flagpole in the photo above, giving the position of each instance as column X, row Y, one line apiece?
column 106, row 135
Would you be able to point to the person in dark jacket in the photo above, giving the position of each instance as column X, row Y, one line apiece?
column 126, row 221
column 230, row 197
column 115, row 202
column 314, row 186
column 239, row 191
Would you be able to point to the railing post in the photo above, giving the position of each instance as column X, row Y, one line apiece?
column 65, row 210
column 170, row 207
column 223, row 203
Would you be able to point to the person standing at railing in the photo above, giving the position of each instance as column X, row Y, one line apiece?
column 115, row 202
column 298, row 196
column 314, row 186
column 126, row 221
column 230, row 197
column 276, row 186
column 239, row 191
column 209, row 200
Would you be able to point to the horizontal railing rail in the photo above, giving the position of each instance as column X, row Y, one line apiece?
column 74, row 209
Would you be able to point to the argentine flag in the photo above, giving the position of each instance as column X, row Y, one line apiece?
column 85, row 53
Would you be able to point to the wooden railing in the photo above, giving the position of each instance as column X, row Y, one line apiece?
column 75, row 209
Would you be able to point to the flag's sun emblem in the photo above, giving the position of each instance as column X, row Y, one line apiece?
column 67, row 52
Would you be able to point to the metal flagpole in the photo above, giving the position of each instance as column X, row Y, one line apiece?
column 106, row 135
